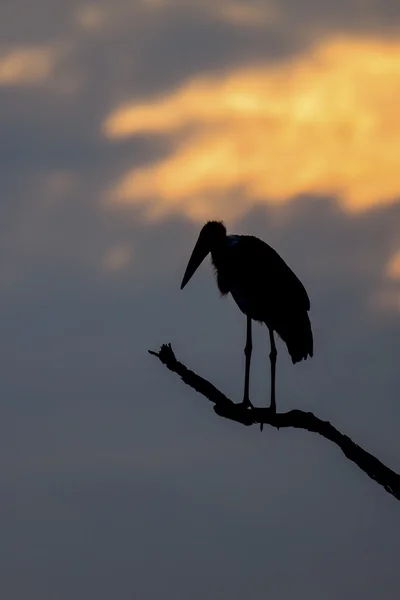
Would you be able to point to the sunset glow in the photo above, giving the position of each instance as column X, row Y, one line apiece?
column 326, row 122
column 25, row 65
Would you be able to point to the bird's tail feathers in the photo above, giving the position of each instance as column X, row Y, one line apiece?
column 298, row 336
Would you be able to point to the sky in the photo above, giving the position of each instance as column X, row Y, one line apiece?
column 124, row 126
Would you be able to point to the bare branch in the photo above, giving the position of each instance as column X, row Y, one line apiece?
column 224, row 407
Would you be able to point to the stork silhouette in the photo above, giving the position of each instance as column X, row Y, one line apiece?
column 264, row 288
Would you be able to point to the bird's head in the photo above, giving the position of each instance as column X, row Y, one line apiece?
column 211, row 236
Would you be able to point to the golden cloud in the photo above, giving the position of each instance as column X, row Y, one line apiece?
column 24, row 65
column 393, row 267
column 325, row 122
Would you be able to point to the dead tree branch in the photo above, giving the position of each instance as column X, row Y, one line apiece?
column 224, row 407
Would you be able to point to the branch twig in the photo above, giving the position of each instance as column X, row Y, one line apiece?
column 224, row 407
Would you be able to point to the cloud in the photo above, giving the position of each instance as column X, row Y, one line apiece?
column 106, row 457
column 246, row 13
column 27, row 65
column 388, row 297
column 117, row 258
column 393, row 267
column 325, row 122
column 91, row 17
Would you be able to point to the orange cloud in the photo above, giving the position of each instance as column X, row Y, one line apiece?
column 393, row 267
column 326, row 122
column 24, row 65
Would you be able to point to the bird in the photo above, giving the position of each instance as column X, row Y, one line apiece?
column 264, row 288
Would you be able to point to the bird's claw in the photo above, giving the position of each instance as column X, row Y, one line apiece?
column 246, row 403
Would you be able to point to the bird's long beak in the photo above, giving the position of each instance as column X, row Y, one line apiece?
column 199, row 253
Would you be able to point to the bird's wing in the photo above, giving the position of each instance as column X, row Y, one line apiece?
column 259, row 269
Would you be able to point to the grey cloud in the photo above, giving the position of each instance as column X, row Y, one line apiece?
column 353, row 16
column 140, row 51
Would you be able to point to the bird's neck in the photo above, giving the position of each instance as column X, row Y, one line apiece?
column 219, row 249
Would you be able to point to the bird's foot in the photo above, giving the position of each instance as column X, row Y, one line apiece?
column 246, row 403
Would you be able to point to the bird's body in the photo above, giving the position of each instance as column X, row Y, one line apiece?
column 264, row 288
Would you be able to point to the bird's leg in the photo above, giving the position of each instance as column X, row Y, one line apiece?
column 272, row 358
column 247, row 351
